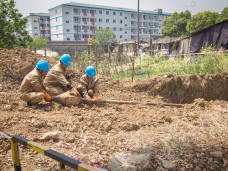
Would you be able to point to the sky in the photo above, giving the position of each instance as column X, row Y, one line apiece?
column 35, row 6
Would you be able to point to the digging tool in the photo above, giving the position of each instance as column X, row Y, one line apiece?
column 73, row 99
column 133, row 102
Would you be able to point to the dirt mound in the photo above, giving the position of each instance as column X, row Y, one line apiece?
column 16, row 63
column 184, row 89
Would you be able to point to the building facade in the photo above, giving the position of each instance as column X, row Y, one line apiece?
column 77, row 21
column 38, row 25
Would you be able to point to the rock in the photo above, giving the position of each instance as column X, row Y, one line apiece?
column 122, row 162
column 80, row 119
column 73, row 129
column 127, row 126
column 8, row 107
column 70, row 139
column 168, row 165
column 50, row 136
column 39, row 124
column 217, row 154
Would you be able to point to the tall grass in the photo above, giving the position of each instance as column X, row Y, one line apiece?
column 211, row 63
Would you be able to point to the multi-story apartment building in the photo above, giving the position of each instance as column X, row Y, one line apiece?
column 38, row 25
column 77, row 21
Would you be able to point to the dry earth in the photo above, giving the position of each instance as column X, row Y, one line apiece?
column 194, row 137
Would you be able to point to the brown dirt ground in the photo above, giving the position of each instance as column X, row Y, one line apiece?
column 185, row 136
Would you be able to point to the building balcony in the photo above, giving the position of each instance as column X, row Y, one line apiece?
column 86, row 39
column 85, row 31
column 92, row 15
column 85, row 22
column 84, row 14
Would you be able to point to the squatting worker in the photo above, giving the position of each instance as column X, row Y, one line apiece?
column 56, row 81
column 32, row 89
column 89, row 84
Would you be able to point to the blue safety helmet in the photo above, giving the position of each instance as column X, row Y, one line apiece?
column 66, row 60
column 90, row 71
column 43, row 65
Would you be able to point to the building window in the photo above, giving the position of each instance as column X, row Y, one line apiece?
column 107, row 20
column 100, row 20
column 107, row 12
column 121, row 21
column 100, row 27
column 100, row 12
column 56, row 19
column 67, row 13
column 35, row 27
column 114, row 28
column 92, row 11
column 121, row 14
column 57, row 28
column 76, row 19
column 68, row 38
column 121, row 29
column 114, row 21
column 125, row 17
column 125, row 32
column 125, row 24
column 67, row 21
column 35, row 21
column 55, row 11
column 35, row 34
column 107, row 28
column 76, row 11
column 121, row 36
column 57, row 35
column 114, row 13
column 84, row 11
column 67, row 30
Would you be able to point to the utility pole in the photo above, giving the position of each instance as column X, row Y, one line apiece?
column 150, row 44
column 138, row 31
column 77, row 37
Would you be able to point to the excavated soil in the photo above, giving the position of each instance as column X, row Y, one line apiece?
column 193, row 137
column 184, row 89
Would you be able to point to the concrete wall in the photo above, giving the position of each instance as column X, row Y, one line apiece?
column 69, row 47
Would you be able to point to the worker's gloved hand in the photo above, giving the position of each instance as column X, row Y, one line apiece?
column 87, row 97
column 47, row 97
column 96, row 97
column 69, row 87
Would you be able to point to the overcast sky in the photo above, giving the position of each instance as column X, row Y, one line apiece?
column 195, row 6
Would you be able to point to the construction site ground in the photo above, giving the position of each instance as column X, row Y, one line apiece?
column 193, row 137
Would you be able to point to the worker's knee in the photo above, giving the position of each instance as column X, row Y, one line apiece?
column 37, row 98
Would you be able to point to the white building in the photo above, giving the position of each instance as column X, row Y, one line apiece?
column 38, row 25
column 77, row 21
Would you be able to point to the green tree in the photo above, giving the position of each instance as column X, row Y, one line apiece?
column 202, row 20
column 12, row 26
column 175, row 25
column 224, row 13
column 103, row 37
column 38, row 43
